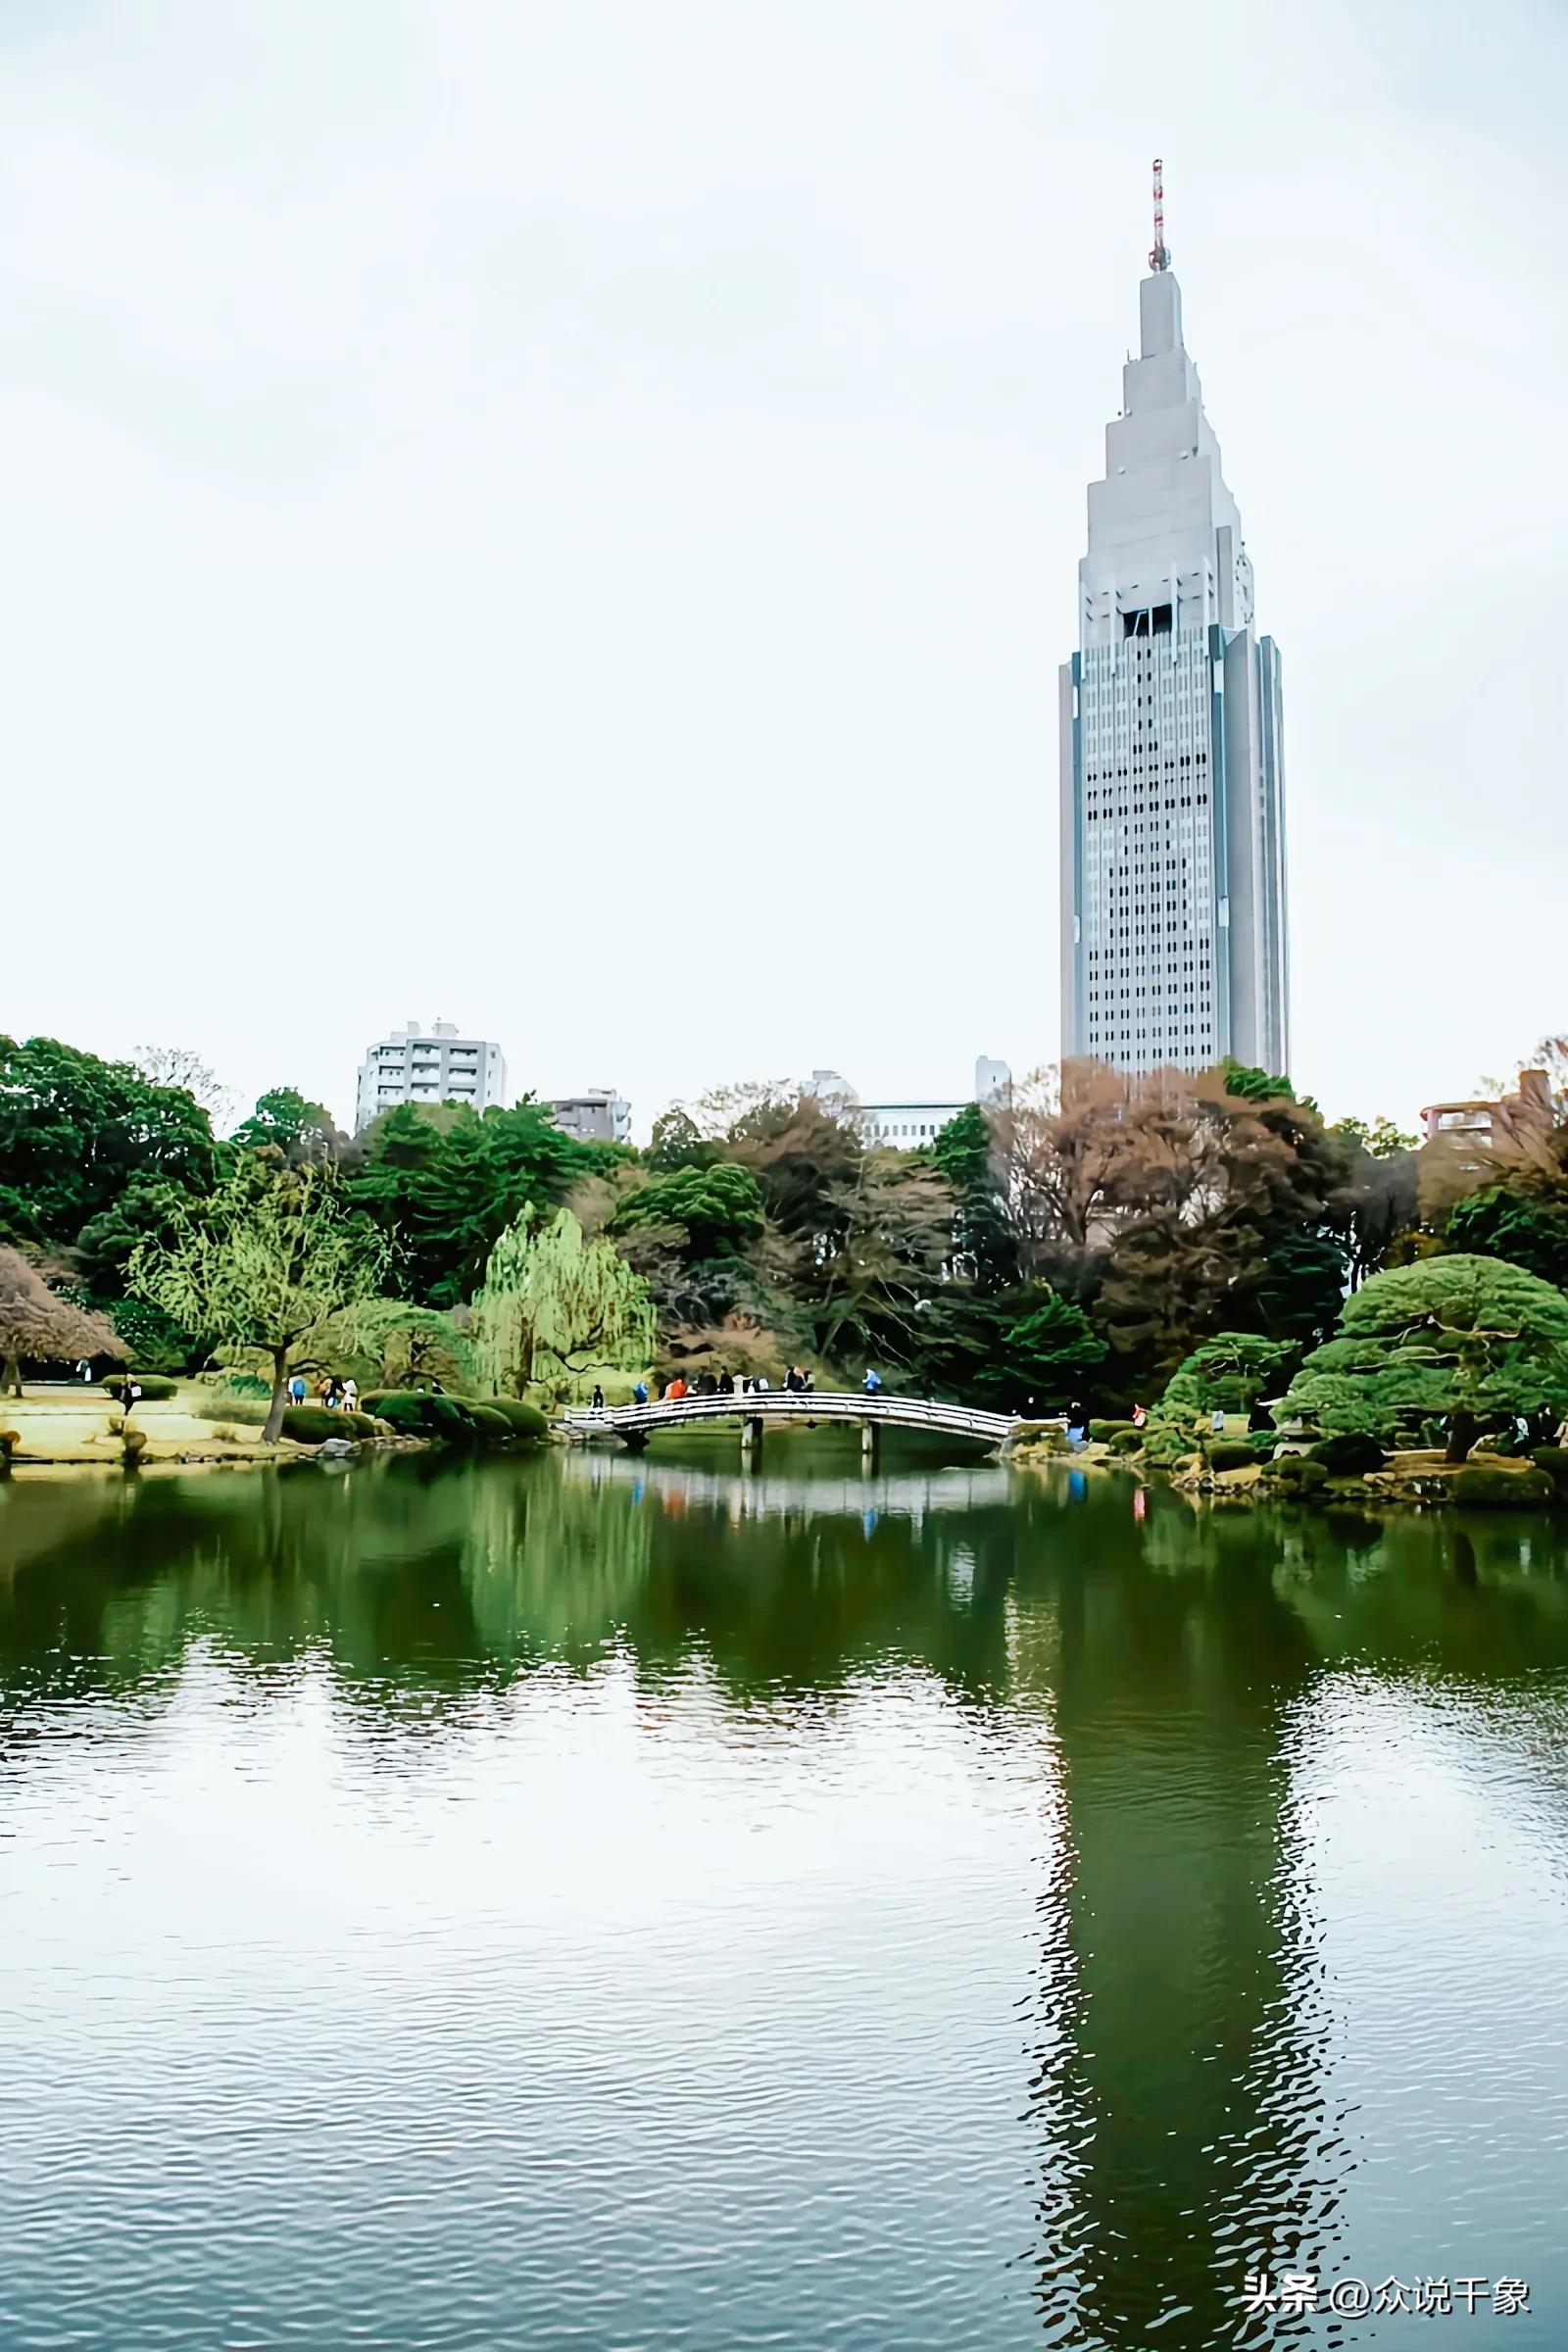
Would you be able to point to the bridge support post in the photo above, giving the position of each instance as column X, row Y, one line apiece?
column 870, row 1446
column 751, row 1442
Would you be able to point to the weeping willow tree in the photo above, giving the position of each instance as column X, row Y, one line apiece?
column 554, row 1304
column 267, row 1261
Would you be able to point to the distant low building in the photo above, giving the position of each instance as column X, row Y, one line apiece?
column 434, row 1065
column 597, row 1116
column 909, row 1126
column 1480, row 1122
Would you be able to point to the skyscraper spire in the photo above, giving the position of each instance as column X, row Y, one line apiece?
column 1173, row 914
column 1159, row 258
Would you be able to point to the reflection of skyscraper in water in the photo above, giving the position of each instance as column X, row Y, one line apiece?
column 1179, row 2086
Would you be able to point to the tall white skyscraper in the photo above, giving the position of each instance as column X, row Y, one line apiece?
column 1173, row 916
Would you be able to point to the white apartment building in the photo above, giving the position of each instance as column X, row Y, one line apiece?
column 434, row 1065
column 909, row 1126
column 1173, row 886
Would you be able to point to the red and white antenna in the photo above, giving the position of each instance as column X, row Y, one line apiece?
column 1159, row 258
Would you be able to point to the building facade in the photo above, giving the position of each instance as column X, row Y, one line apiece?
column 434, row 1065
column 597, row 1116
column 1173, row 887
column 909, row 1126
column 1517, row 1122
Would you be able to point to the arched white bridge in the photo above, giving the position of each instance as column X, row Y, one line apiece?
column 820, row 1409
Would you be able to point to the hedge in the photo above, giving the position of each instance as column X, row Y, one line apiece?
column 462, row 1421
column 1300, row 1470
column 401, row 1409
column 527, row 1421
column 1483, row 1488
column 494, row 1427
column 1234, row 1454
column 1127, row 1440
column 155, row 1389
column 314, row 1424
column 415, row 1412
column 1103, row 1431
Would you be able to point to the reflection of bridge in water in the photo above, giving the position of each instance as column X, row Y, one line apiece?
column 906, row 1495
column 635, row 1424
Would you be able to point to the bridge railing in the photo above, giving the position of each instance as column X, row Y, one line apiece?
column 788, row 1406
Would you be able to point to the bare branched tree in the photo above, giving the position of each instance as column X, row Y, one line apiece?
column 184, row 1067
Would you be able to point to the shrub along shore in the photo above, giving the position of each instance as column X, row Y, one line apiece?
column 195, row 1423
column 1247, row 1469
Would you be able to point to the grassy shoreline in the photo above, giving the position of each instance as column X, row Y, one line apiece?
column 82, row 1428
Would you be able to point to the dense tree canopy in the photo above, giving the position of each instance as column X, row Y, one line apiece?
column 1227, row 1374
column 284, row 1122
column 444, row 1184
column 1090, row 1233
column 718, row 1208
column 77, row 1132
column 1470, row 1340
column 1522, row 1227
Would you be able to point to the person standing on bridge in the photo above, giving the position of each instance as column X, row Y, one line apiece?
column 872, row 1382
column 639, row 1394
column 676, row 1389
column 726, row 1383
column 597, row 1399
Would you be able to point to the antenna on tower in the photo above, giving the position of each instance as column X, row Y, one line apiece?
column 1159, row 258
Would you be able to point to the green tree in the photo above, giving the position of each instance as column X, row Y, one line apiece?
column 76, row 1132
column 1471, row 1340
column 153, row 1342
column 1006, row 1351
column 445, row 1183
column 266, row 1264
column 554, row 1303
column 967, row 1155
column 283, row 1121
column 1227, row 1374
column 891, row 1229
column 104, row 1245
column 36, row 1321
column 677, row 1142
column 1381, row 1140
column 717, row 1207
column 1297, row 1290
column 1527, row 1230
column 1249, row 1083
column 414, row 1346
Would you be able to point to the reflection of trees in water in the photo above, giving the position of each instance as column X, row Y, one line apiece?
column 1184, row 2110
column 773, row 1593
column 436, row 1578
column 1176, row 2022
column 269, row 1567
column 1181, row 2108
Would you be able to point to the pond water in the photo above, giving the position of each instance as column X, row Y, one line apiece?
column 596, row 1902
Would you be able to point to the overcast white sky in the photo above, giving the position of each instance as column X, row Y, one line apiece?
column 566, row 518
